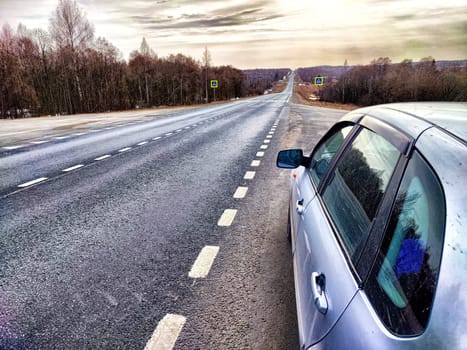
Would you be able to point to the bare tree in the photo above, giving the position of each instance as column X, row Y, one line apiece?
column 69, row 26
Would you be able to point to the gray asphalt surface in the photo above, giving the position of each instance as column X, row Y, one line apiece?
column 95, row 257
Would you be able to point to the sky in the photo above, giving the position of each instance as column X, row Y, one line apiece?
column 270, row 33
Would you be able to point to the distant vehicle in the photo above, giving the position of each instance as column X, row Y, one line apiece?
column 378, row 221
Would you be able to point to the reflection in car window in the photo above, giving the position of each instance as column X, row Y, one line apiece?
column 402, row 284
column 322, row 156
column 357, row 186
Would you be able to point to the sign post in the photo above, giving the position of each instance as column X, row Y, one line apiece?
column 318, row 81
column 214, row 86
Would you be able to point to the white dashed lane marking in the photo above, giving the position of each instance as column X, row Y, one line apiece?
column 39, row 142
column 267, row 141
column 156, row 138
column 240, row 192
column 255, row 163
column 260, row 154
column 103, row 157
column 124, row 149
column 271, row 133
column 227, row 217
column 12, row 147
column 203, row 262
column 32, row 182
column 166, row 333
column 249, row 175
column 269, row 137
column 264, row 147
column 61, row 137
column 169, row 133
column 142, row 143
column 74, row 167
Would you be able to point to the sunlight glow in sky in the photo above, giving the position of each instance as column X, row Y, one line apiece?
column 270, row 33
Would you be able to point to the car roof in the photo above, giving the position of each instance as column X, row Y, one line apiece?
column 415, row 117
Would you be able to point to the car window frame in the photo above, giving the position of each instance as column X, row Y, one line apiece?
column 404, row 144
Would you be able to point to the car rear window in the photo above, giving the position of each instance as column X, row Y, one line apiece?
column 402, row 283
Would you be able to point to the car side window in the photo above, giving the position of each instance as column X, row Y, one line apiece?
column 321, row 158
column 356, row 188
column 402, row 283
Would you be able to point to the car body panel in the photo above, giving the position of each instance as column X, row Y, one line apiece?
column 448, row 157
column 317, row 250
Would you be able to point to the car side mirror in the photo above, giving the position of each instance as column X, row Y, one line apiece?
column 290, row 159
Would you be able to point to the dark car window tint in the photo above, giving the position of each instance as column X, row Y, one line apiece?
column 357, row 186
column 402, row 283
column 322, row 156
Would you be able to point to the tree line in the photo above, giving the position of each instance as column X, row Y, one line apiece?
column 383, row 82
column 66, row 70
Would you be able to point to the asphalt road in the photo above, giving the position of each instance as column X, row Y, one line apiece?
column 132, row 238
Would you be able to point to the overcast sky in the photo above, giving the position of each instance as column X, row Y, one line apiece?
column 270, row 33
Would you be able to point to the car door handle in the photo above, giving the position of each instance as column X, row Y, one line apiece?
column 318, row 290
column 299, row 207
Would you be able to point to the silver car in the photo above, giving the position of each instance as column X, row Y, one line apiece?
column 378, row 220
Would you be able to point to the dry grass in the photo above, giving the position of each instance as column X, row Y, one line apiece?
column 305, row 92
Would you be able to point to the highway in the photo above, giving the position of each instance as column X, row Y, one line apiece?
column 165, row 231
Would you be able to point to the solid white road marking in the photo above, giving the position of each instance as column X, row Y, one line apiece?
column 203, row 262
column 74, row 167
column 249, row 175
column 166, row 333
column 269, row 137
column 240, row 192
column 255, row 163
column 264, row 147
column 260, row 154
column 156, row 138
column 142, row 143
column 32, row 182
column 267, row 141
column 124, row 149
column 103, row 157
column 227, row 217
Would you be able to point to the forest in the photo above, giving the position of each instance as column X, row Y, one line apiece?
column 381, row 81
column 66, row 70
